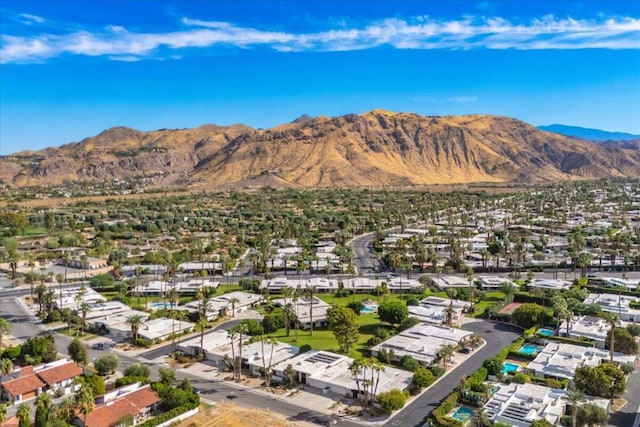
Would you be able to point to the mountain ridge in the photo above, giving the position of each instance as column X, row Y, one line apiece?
column 377, row 148
column 590, row 134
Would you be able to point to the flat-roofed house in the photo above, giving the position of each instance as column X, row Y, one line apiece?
column 330, row 372
column 560, row 360
column 422, row 342
column 520, row 405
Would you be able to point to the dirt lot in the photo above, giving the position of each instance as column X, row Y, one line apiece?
column 230, row 415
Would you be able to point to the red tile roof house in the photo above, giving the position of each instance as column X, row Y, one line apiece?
column 60, row 376
column 112, row 409
column 27, row 382
column 20, row 385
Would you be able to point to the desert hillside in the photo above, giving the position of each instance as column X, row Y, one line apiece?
column 372, row 149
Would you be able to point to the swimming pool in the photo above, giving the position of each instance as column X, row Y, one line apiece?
column 160, row 305
column 529, row 349
column 463, row 413
column 368, row 309
column 545, row 332
column 510, row 368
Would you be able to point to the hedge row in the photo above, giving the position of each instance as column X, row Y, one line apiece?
column 439, row 415
column 605, row 290
column 166, row 416
column 568, row 340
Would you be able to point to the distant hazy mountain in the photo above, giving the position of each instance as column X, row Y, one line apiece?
column 378, row 148
column 590, row 134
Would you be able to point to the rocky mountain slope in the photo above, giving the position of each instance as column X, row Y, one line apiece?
column 372, row 149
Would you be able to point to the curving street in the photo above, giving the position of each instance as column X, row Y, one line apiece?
column 497, row 335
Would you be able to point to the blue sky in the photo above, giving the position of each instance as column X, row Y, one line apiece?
column 70, row 69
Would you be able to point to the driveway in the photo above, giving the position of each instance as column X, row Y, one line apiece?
column 497, row 335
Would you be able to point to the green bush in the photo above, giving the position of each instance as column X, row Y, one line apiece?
column 410, row 364
column 521, row 378
column 437, row 371
column 392, row 400
column 422, row 377
column 304, row 348
column 166, row 416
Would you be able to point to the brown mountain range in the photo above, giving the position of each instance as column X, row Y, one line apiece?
column 373, row 149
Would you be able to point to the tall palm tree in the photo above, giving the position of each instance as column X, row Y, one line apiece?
column 267, row 366
column 613, row 320
column 6, row 367
column 356, row 369
column 43, row 406
column 242, row 330
column 574, row 397
column 85, row 402
column 232, row 334
column 287, row 293
column 310, row 292
column 445, row 352
column 24, row 415
column 233, row 302
column 64, row 410
column 173, row 298
column 376, row 367
column 84, row 310
column 134, row 322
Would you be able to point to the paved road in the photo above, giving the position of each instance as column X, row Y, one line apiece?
column 497, row 335
column 365, row 259
column 630, row 413
column 213, row 390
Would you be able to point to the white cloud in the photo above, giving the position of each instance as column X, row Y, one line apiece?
column 462, row 99
column 29, row 19
column 547, row 32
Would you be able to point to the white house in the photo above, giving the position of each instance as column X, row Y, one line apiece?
column 520, row 405
column 560, row 360
column 329, row 372
column 626, row 307
column 422, row 342
column 590, row 327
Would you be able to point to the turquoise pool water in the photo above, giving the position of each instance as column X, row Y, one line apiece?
column 545, row 332
column 159, row 305
column 529, row 349
column 509, row 368
column 368, row 309
column 464, row 413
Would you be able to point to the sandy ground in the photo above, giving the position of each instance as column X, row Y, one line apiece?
column 230, row 415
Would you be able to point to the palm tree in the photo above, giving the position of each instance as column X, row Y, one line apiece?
column 356, row 371
column 134, row 322
column 613, row 320
column 24, row 415
column 85, row 402
column 64, row 410
column 84, row 310
column 242, row 330
column 310, row 292
column 43, row 407
column 173, row 298
column 232, row 333
column 287, row 292
column 267, row 367
column 445, row 353
column 233, row 302
column 6, row 367
column 574, row 397
column 376, row 367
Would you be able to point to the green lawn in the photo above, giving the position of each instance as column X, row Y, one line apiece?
column 323, row 339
